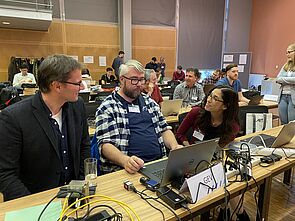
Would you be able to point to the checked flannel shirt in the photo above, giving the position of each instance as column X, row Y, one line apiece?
column 112, row 126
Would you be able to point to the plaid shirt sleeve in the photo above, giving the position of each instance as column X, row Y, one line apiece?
column 111, row 121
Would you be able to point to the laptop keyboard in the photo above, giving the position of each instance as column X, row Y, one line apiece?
column 159, row 173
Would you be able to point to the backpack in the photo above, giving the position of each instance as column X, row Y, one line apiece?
column 8, row 96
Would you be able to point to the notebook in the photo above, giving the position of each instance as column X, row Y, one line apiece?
column 181, row 161
column 171, row 107
column 284, row 137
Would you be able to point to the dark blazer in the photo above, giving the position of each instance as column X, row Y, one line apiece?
column 30, row 161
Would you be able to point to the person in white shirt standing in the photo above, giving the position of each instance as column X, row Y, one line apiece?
column 286, row 78
column 23, row 77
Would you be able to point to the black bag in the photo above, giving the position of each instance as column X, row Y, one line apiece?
column 251, row 93
column 8, row 96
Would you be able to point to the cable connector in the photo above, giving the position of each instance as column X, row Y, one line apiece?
column 128, row 185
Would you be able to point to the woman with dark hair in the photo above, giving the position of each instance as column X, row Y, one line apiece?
column 217, row 117
column 286, row 78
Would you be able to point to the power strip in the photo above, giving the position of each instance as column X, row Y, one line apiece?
column 230, row 173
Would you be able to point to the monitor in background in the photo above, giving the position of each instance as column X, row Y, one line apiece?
column 270, row 87
column 255, row 80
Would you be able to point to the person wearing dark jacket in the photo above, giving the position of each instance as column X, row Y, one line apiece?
column 117, row 62
column 44, row 139
column 152, row 64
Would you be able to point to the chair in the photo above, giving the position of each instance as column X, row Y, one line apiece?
column 91, row 108
column 173, row 83
column 208, row 88
column 243, row 110
column 109, row 86
column 102, row 95
column 189, row 133
column 95, row 152
column 85, row 96
column 167, row 92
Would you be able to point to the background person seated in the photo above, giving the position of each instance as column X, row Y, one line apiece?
column 108, row 77
column 231, row 79
column 151, row 88
column 131, row 129
column 152, row 64
column 23, row 77
column 190, row 90
column 85, row 73
column 213, row 78
column 178, row 75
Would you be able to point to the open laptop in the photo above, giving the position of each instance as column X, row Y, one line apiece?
column 284, row 137
column 255, row 100
column 171, row 107
column 180, row 161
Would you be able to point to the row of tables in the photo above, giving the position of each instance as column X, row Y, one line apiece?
column 112, row 186
column 174, row 119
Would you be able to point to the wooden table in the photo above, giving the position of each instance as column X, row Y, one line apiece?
column 112, row 186
column 269, row 104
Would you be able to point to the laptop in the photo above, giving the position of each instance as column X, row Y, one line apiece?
column 181, row 161
column 255, row 100
column 171, row 107
column 284, row 137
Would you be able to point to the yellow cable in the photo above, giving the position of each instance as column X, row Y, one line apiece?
column 63, row 207
column 107, row 197
column 96, row 201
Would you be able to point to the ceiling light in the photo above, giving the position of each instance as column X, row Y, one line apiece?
column 6, row 23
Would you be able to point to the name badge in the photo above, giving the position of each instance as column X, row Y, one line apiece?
column 134, row 109
column 198, row 135
column 195, row 98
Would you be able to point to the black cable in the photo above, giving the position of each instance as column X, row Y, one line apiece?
column 115, row 215
column 155, row 199
column 146, row 200
column 255, row 198
column 59, row 195
column 240, row 201
column 50, row 201
column 202, row 161
column 184, row 205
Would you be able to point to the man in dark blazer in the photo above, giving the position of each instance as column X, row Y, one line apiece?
column 44, row 139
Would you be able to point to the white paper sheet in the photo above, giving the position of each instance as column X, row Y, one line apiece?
column 228, row 58
column 102, row 61
column 241, row 68
column 243, row 59
column 88, row 59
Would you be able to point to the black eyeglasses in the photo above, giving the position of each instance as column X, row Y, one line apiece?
column 80, row 84
column 289, row 52
column 215, row 98
column 135, row 81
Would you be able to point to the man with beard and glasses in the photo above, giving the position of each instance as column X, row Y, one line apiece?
column 130, row 127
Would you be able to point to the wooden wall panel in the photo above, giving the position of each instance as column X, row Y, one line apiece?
column 148, row 42
column 87, row 39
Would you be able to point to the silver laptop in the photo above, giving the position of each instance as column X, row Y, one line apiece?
column 171, row 107
column 284, row 137
column 181, row 161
